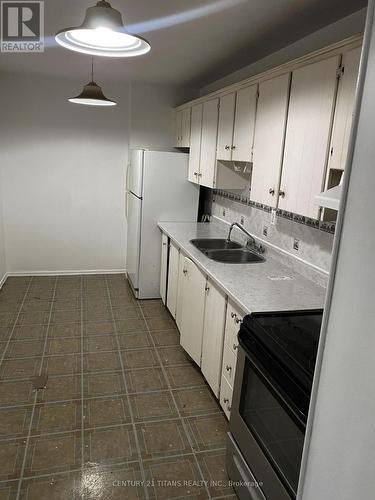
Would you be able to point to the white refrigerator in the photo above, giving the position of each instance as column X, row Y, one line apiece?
column 157, row 189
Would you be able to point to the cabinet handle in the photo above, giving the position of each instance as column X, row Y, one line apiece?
column 228, row 368
column 164, row 244
column 272, row 192
column 199, row 175
column 226, row 400
column 227, row 148
column 282, row 194
column 229, row 407
column 233, row 315
column 185, row 272
column 235, row 347
column 207, row 288
column 233, row 147
column 238, row 320
column 195, row 173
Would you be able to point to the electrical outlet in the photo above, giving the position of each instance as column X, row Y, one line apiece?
column 296, row 244
column 273, row 217
column 265, row 231
column 223, row 212
column 242, row 220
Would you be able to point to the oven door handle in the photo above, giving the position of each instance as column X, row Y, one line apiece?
column 265, row 374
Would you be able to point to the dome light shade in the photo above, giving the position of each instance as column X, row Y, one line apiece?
column 92, row 95
column 102, row 33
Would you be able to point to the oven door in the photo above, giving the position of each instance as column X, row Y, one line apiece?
column 266, row 421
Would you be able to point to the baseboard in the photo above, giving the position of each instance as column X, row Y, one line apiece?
column 65, row 273
column 3, row 280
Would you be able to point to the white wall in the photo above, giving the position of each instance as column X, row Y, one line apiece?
column 2, row 242
column 341, row 455
column 344, row 28
column 63, row 170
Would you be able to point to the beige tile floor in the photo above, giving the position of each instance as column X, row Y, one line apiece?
column 125, row 414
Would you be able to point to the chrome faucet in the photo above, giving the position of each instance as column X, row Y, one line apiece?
column 251, row 242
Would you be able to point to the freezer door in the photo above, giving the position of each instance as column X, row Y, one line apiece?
column 135, row 173
column 134, row 211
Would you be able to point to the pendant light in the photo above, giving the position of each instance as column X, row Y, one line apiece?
column 92, row 94
column 103, row 33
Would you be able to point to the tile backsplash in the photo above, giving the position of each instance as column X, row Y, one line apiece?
column 308, row 243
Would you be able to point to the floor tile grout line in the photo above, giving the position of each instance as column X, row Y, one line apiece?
column 34, row 402
column 127, row 397
column 112, row 426
column 97, row 372
column 101, row 396
column 176, row 405
column 15, row 322
column 110, row 466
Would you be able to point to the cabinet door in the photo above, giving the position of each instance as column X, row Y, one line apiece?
column 192, row 311
column 213, row 336
column 185, row 128
column 225, row 127
column 269, row 139
column 209, row 142
column 178, row 129
column 310, row 115
column 195, row 142
column 244, row 124
column 344, row 109
column 164, row 267
column 180, row 283
column 174, row 258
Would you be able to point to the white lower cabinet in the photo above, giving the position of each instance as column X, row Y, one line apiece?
column 164, row 267
column 226, row 393
column 173, row 266
column 213, row 336
column 229, row 364
column 232, row 325
column 192, row 299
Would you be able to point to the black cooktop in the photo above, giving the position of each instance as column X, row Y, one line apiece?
column 292, row 337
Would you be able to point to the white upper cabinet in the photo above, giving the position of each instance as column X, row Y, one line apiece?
column 182, row 128
column 269, row 139
column 195, row 142
column 236, row 125
column 344, row 109
column 244, row 124
column 210, row 116
column 311, row 106
column 226, row 125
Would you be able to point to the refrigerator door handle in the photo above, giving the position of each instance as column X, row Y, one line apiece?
column 127, row 177
column 126, row 204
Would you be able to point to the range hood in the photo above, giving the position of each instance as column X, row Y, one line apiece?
column 330, row 198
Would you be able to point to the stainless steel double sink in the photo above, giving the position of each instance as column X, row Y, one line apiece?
column 223, row 250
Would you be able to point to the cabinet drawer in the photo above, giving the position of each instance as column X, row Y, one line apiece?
column 226, row 394
column 232, row 326
column 229, row 365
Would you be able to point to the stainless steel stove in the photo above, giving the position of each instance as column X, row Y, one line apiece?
column 272, row 389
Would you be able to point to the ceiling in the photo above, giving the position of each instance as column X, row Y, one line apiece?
column 193, row 42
